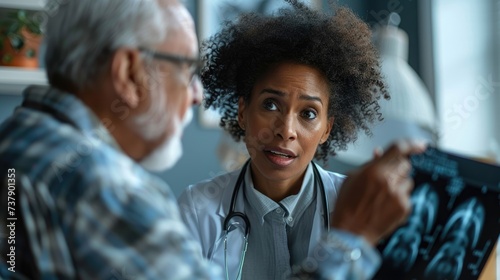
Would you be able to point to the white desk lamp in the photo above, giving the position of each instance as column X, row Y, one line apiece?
column 409, row 113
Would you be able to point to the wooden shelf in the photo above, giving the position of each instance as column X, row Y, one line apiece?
column 14, row 80
column 23, row 4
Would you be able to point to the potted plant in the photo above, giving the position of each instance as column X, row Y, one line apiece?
column 20, row 38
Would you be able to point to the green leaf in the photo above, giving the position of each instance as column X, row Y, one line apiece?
column 34, row 28
column 16, row 42
column 21, row 16
column 31, row 53
column 7, row 58
column 13, row 28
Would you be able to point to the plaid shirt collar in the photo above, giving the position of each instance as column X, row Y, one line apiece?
column 72, row 109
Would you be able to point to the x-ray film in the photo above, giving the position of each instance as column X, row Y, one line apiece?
column 454, row 224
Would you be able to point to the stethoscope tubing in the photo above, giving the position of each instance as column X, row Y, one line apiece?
column 240, row 181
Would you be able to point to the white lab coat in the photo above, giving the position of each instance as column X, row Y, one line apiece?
column 204, row 206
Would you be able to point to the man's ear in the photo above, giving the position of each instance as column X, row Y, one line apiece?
column 328, row 129
column 126, row 72
column 241, row 112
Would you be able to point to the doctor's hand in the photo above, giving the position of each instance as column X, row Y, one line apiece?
column 375, row 199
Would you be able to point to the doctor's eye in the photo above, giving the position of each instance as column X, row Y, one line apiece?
column 309, row 114
column 270, row 105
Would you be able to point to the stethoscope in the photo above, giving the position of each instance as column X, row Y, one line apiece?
column 235, row 214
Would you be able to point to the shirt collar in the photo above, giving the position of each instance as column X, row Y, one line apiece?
column 73, row 109
column 262, row 204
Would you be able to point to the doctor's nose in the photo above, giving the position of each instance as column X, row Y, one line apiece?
column 286, row 127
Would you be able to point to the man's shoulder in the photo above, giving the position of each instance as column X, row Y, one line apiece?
column 58, row 154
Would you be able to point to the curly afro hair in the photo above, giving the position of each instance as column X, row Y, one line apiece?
column 339, row 45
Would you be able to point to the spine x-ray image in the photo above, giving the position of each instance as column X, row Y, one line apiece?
column 454, row 224
column 402, row 249
column 460, row 233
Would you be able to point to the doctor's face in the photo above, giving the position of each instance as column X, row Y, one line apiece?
column 285, row 120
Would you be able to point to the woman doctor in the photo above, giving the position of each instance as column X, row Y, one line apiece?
column 295, row 86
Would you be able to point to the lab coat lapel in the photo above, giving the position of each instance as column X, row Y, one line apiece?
column 235, row 240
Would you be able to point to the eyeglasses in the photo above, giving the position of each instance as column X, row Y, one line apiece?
column 194, row 64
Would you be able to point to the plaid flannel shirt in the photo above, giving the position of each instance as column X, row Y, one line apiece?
column 84, row 209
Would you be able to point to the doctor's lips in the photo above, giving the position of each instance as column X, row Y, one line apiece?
column 280, row 152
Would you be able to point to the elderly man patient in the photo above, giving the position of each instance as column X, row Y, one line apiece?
column 123, row 79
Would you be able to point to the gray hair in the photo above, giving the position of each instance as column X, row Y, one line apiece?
column 81, row 35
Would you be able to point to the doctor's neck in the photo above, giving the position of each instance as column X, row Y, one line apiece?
column 276, row 189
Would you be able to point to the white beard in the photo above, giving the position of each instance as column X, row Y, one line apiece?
column 170, row 151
